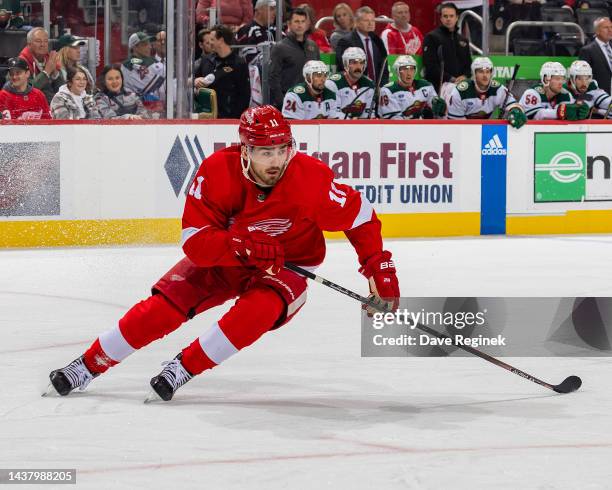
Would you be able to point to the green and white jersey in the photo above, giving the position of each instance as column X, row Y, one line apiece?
column 594, row 97
column 300, row 104
column 467, row 102
column 353, row 101
column 398, row 102
column 145, row 77
column 537, row 106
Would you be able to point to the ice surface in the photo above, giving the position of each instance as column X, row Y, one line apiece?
column 301, row 409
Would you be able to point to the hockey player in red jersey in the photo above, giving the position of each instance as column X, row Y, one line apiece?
column 250, row 208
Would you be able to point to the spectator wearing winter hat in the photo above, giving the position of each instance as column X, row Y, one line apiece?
column 114, row 101
column 74, row 100
column 143, row 74
column 43, row 64
column 18, row 99
column 69, row 51
column 400, row 37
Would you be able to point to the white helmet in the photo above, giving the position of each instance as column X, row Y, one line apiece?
column 311, row 67
column 403, row 61
column 579, row 68
column 551, row 69
column 353, row 53
column 481, row 63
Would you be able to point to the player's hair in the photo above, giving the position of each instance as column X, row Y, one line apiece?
column 338, row 8
column 364, row 10
column 297, row 11
column 223, row 32
column 448, row 5
column 202, row 33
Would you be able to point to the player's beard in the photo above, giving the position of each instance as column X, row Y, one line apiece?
column 269, row 176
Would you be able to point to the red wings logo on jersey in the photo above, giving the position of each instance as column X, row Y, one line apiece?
column 272, row 227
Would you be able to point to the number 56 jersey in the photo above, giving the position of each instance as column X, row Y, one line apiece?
column 304, row 202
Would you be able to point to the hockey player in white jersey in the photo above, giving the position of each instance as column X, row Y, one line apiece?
column 311, row 99
column 586, row 91
column 354, row 90
column 408, row 98
column 549, row 100
column 478, row 97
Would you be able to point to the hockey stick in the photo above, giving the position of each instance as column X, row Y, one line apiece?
column 377, row 90
column 502, row 109
column 569, row 384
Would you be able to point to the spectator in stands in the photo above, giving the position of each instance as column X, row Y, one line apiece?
column 344, row 23
column 69, row 50
column 234, row 13
column 364, row 37
column 288, row 57
column 315, row 34
column 113, row 100
column 205, row 43
column 143, row 74
column 18, row 99
column 42, row 64
column 227, row 73
column 74, row 100
column 159, row 46
column 260, row 30
column 598, row 53
column 400, row 37
column 454, row 49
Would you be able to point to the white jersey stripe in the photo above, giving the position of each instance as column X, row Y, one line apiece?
column 114, row 344
column 216, row 345
column 365, row 213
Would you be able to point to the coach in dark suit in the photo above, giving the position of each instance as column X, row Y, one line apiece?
column 598, row 54
column 364, row 37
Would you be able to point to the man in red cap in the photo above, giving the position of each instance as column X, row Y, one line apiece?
column 250, row 208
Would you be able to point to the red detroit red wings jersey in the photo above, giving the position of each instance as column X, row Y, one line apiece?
column 304, row 202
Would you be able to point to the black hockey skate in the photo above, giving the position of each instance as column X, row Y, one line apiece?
column 74, row 375
column 173, row 376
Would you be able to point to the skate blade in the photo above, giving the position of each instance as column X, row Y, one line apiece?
column 50, row 391
column 152, row 397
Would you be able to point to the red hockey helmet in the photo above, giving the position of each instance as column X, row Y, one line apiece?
column 264, row 126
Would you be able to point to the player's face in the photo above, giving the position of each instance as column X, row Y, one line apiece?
column 19, row 78
column 268, row 163
column 356, row 68
column 555, row 83
column 581, row 83
column 406, row 75
column 483, row 78
column 317, row 80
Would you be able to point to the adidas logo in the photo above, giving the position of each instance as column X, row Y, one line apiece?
column 494, row 147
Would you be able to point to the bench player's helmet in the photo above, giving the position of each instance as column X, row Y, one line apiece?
column 551, row 69
column 354, row 53
column 579, row 68
column 263, row 126
column 482, row 63
column 311, row 67
column 403, row 61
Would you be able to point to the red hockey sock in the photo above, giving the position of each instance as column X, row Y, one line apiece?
column 145, row 322
column 255, row 312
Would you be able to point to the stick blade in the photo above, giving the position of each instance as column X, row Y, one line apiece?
column 569, row 384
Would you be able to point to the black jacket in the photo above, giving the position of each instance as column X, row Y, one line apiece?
column 353, row 40
column 456, row 53
column 594, row 56
column 288, row 58
column 231, row 83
